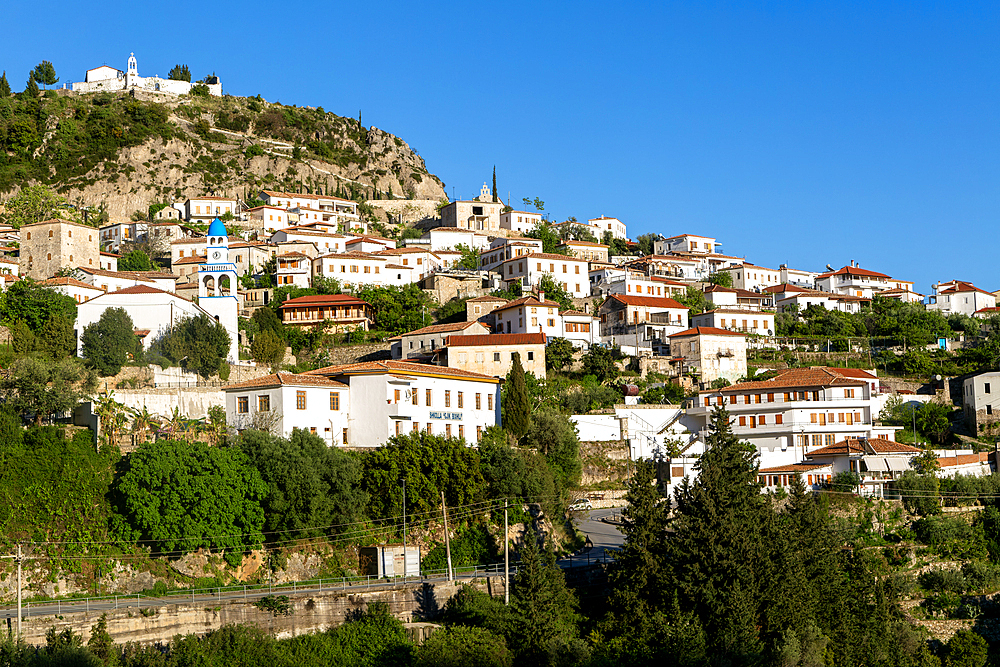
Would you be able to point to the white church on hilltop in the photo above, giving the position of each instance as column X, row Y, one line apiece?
column 106, row 78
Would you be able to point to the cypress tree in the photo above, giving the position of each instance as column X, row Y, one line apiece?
column 31, row 88
column 4, row 86
column 721, row 543
column 494, row 184
column 516, row 407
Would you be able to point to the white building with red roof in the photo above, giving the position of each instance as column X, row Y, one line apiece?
column 333, row 312
column 958, row 296
column 390, row 398
column 282, row 402
column 799, row 410
column 493, row 354
column 743, row 320
column 640, row 323
column 529, row 314
column 79, row 290
column 294, row 269
column 152, row 310
column 686, row 243
column 572, row 274
column 854, row 281
column 425, row 341
column 604, row 225
column 747, row 276
column 362, row 268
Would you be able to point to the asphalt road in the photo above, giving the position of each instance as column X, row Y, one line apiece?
column 605, row 537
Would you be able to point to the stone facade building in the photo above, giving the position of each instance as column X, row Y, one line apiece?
column 482, row 214
column 980, row 404
column 710, row 353
column 51, row 245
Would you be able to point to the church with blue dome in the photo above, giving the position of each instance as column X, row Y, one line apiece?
column 217, row 285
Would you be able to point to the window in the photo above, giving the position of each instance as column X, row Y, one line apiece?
column 312, row 429
column 496, row 356
column 413, row 395
column 746, row 399
column 778, row 419
column 743, row 421
column 986, row 387
column 397, row 426
column 447, row 398
column 817, row 440
column 460, row 401
column 479, row 403
column 447, row 430
column 264, row 403
column 430, row 428
column 427, row 397
column 300, row 400
column 243, row 405
column 551, row 322
column 479, row 433
column 345, row 436
column 770, row 398
column 762, row 420
column 803, row 440
column 396, row 396
column 489, row 401
column 829, row 439
column 416, row 426
column 756, row 398
column 849, row 393
column 335, row 399
column 989, row 409
column 813, row 418
column 461, row 432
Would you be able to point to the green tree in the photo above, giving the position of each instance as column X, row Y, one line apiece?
column 101, row 645
column 267, row 320
column 182, row 496
column 694, row 300
column 721, row 278
column 719, row 544
column 470, row 258
column 57, row 338
column 550, row 240
column 966, row 648
column 558, row 354
column 600, row 362
column 494, row 184
column 33, row 203
column 199, row 344
column 920, row 493
column 516, row 407
column 136, row 260
column 555, row 436
column 932, row 421
column 309, row 484
column 27, row 301
column 646, row 243
column 430, row 464
column 268, row 349
column 179, row 73
column 4, row 86
column 555, row 292
column 45, row 74
column 40, row 389
column 108, row 342
column 397, row 309
column 461, row 646
column 31, row 87
column 545, row 610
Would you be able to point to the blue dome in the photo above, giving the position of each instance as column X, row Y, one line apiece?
column 217, row 228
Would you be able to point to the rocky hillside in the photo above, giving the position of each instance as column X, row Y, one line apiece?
column 127, row 151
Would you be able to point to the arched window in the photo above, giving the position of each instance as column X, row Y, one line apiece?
column 49, row 256
column 29, row 236
column 50, row 233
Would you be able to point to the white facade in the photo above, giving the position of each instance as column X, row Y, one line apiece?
column 685, row 243
column 112, row 281
column 604, row 224
column 797, row 277
column 104, row 78
column 957, row 296
column 572, row 274
column 268, row 219
column 325, row 242
column 217, row 287
column 854, row 281
column 396, row 397
column 359, row 268
column 284, row 401
column 756, row 322
column 797, row 412
column 421, row 262
column 521, row 222
column 151, row 310
column 81, row 292
column 448, row 238
column 529, row 314
column 206, row 209
column 502, row 249
column 187, row 248
column 422, row 342
column 294, row 268
column 580, row 329
column 753, row 278
column 369, row 244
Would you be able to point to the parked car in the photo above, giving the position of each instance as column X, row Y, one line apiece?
column 581, row 505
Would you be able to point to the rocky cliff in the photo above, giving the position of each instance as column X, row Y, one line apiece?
column 127, row 151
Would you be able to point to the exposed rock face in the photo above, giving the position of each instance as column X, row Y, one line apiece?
column 204, row 158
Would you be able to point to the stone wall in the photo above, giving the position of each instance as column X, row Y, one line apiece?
column 312, row 612
column 350, row 354
column 410, row 210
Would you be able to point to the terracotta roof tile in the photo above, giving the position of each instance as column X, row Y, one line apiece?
column 487, row 340
column 648, row 301
column 856, row 446
column 707, row 331
column 282, row 378
column 438, row 328
column 323, row 300
column 794, row 377
column 794, row 467
column 407, row 367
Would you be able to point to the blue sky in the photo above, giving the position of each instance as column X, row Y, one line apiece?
column 803, row 133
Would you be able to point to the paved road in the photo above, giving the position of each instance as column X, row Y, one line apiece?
column 606, row 537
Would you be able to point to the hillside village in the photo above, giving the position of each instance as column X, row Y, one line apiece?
column 471, row 351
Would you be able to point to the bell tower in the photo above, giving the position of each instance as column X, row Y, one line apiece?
column 217, row 280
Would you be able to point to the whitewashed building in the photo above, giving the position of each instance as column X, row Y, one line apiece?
column 570, row 273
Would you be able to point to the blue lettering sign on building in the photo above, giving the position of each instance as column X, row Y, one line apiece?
column 451, row 416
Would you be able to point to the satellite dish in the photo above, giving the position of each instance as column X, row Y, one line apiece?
column 829, row 268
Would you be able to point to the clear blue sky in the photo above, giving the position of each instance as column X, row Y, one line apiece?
column 800, row 133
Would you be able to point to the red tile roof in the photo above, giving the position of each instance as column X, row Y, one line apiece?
column 284, row 378
column 487, row 340
column 814, row 377
column 406, row 367
column 707, row 331
column 856, row 446
column 852, row 271
column 648, row 301
column 69, row 282
column 487, row 298
column 323, row 300
column 530, row 300
column 439, row 328
column 962, row 286
column 794, row 467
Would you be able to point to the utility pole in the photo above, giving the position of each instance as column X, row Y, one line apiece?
column 405, row 568
column 506, row 557
column 447, row 538
column 19, row 558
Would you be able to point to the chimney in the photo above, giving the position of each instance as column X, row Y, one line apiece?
column 586, row 309
column 541, row 296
